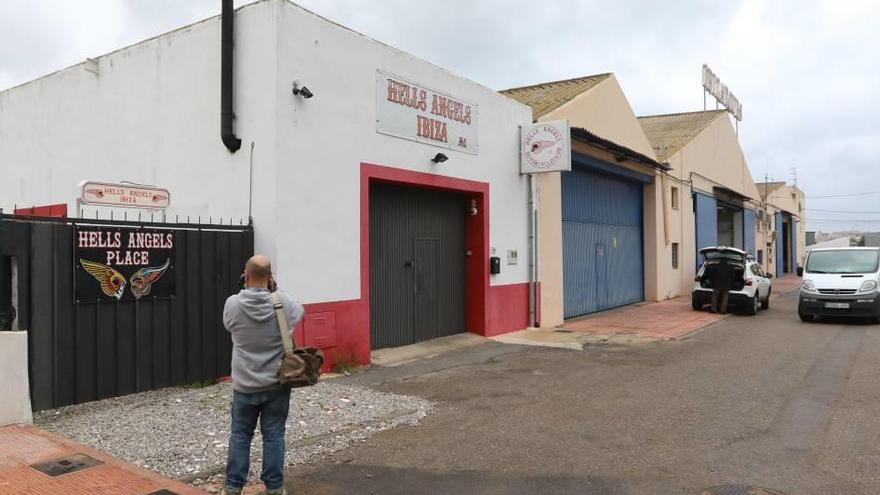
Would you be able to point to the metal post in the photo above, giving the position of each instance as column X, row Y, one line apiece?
column 533, row 252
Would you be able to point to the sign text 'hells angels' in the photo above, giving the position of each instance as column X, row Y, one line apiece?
column 412, row 111
column 123, row 264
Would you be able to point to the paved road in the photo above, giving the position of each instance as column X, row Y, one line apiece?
column 764, row 400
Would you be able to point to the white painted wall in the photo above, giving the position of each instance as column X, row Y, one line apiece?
column 152, row 115
column 322, row 142
column 16, row 404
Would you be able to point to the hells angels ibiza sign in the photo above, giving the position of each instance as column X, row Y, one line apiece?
column 123, row 264
column 413, row 111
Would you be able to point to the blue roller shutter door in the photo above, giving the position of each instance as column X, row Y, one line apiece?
column 706, row 211
column 749, row 231
column 601, row 242
column 780, row 254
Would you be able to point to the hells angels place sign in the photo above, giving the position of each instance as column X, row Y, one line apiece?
column 123, row 264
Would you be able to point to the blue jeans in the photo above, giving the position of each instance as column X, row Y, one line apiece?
column 271, row 408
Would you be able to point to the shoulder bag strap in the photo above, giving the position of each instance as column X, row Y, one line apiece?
column 282, row 323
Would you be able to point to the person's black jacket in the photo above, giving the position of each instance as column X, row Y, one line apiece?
column 722, row 275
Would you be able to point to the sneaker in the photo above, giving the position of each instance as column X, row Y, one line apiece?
column 230, row 491
column 276, row 492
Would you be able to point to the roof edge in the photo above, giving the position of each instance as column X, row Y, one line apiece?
column 593, row 139
column 718, row 111
column 603, row 75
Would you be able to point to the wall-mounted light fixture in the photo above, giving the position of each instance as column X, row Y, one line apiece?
column 439, row 158
column 472, row 211
column 301, row 90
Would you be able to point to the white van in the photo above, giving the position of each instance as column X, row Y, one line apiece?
column 840, row 282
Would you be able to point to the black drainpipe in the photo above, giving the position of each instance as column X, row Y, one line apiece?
column 227, row 133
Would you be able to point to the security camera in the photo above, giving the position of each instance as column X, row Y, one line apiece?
column 301, row 91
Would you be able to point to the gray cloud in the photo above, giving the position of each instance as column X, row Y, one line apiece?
column 806, row 72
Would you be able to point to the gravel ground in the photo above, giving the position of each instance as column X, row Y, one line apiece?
column 183, row 433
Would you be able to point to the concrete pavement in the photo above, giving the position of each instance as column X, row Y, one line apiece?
column 764, row 400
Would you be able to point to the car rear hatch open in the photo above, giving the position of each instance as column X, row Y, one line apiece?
column 713, row 255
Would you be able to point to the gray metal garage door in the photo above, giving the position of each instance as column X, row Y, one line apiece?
column 601, row 241
column 417, row 264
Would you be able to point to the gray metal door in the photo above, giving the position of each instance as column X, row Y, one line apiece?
column 417, row 257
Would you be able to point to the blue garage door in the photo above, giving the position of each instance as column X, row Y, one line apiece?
column 706, row 212
column 780, row 253
column 749, row 231
column 601, row 241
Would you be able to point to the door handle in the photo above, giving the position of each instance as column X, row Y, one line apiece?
column 409, row 264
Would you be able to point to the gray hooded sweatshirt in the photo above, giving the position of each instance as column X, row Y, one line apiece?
column 256, row 342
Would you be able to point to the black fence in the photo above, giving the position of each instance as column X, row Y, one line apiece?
column 110, row 346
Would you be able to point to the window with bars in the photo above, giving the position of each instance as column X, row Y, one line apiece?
column 675, row 255
column 674, row 198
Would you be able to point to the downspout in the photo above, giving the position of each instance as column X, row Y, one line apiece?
column 227, row 133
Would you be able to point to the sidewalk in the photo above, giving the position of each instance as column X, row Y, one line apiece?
column 23, row 448
column 664, row 320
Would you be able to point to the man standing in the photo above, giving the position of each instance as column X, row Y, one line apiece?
column 722, row 277
column 256, row 350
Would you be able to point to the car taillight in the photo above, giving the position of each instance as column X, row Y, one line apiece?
column 749, row 282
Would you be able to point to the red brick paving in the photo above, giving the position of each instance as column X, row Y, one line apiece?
column 671, row 319
column 23, row 445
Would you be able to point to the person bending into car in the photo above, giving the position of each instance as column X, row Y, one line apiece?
column 722, row 277
column 256, row 349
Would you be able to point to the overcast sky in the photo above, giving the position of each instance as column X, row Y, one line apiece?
column 806, row 72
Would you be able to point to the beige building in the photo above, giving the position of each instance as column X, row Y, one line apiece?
column 781, row 227
column 644, row 194
column 601, row 227
column 712, row 199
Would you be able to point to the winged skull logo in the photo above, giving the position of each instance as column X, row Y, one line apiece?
column 112, row 282
column 143, row 279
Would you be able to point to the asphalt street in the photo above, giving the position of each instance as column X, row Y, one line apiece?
column 766, row 401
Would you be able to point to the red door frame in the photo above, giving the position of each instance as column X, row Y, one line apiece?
column 476, row 234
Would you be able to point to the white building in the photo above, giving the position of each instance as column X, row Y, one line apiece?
column 383, row 245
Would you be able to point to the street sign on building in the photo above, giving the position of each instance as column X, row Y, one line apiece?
column 123, row 195
column 413, row 111
column 545, row 147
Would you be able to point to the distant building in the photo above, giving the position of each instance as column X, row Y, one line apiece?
column 811, row 238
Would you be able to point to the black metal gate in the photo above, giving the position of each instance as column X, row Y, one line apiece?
column 417, row 264
column 84, row 351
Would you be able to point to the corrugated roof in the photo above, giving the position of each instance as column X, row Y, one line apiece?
column 671, row 132
column 617, row 149
column 546, row 97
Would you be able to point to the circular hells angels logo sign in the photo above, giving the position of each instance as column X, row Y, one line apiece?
column 544, row 147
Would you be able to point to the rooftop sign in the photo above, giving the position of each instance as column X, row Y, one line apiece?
column 132, row 196
column 719, row 90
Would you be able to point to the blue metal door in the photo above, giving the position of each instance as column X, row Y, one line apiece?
column 749, row 231
column 794, row 251
column 780, row 253
column 601, row 242
column 706, row 212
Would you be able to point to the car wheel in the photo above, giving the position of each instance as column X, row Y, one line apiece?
column 753, row 304
column 765, row 304
column 698, row 306
column 805, row 317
